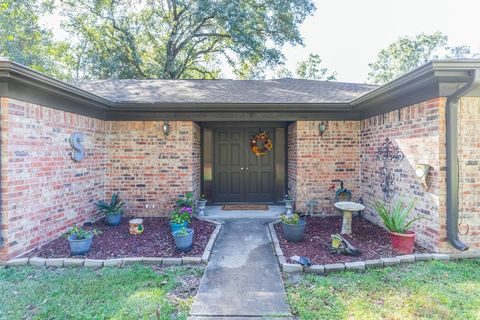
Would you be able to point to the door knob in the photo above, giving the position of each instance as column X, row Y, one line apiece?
column 241, row 168
column 246, row 168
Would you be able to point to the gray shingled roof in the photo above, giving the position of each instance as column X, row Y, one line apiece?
column 279, row 91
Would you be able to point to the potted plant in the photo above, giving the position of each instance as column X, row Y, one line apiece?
column 80, row 240
column 202, row 203
column 185, row 200
column 183, row 239
column 180, row 218
column 293, row 227
column 289, row 203
column 113, row 211
column 397, row 223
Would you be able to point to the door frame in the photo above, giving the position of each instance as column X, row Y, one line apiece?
column 217, row 124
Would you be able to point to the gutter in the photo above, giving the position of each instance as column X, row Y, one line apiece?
column 451, row 119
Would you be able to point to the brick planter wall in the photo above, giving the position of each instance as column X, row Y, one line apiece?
column 315, row 163
column 43, row 190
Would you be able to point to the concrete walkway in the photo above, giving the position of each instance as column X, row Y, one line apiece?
column 242, row 278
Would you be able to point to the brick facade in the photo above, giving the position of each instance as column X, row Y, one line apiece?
column 149, row 169
column 44, row 191
column 419, row 132
column 469, row 171
column 315, row 163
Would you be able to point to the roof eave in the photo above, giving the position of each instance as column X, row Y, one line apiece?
column 434, row 79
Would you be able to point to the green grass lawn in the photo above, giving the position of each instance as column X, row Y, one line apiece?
column 431, row 290
column 135, row 292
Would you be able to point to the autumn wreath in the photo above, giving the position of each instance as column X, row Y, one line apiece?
column 260, row 143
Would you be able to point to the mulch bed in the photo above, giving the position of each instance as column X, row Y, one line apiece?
column 373, row 240
column 116, row 242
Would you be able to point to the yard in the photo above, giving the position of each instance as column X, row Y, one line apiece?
column 134, row 292
column 432, row 290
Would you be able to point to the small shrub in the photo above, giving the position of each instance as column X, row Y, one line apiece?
column 395, row 219
column 290, row 219
column 185, row 201
column 181, row 215
column 182, row 232
column 80, row 233
column 114, row 207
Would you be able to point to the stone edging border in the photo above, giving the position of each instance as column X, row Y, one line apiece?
column 119, row 262
column 357, row 266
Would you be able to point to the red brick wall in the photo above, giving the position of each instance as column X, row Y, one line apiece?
column 148, row 168
column 419, row 132
column 315, row 163
column 469, row 171
column 43, row 190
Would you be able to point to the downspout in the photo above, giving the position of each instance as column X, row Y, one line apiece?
column 451, row 119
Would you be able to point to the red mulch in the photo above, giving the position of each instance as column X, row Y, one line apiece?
column 116, row 242
column 373, row 240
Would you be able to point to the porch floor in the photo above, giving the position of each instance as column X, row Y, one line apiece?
column 216, row 212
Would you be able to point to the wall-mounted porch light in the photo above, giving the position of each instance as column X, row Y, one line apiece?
column 322, row 127
column 422, row 167
column 166, row 128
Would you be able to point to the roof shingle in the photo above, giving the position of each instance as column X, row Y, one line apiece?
column 278, row 91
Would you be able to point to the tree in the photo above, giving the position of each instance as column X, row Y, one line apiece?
column 181, row 38
column 404, row 55
column 23, row 40
column 307, row 69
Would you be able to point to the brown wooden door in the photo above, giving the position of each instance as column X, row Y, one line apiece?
column 239, row 175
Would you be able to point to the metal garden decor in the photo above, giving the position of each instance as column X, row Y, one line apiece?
column 78, row 152
column 388, row 153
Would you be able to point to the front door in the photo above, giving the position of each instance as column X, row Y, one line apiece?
column 239, row 175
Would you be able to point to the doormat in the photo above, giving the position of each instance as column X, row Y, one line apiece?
column 245, row 207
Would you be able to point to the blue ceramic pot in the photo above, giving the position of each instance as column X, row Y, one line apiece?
column 183, row 243
column 114, row 219
column 177, row 226
column 79, row 247
column 294, row 232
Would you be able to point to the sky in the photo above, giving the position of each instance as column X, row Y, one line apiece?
column 348, row 34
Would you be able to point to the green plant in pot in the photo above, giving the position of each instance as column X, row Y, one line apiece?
column 112, row 210
column 183, row 239
column 395, row 219
column 293, row 227
column 180, row 217
column 80, row 240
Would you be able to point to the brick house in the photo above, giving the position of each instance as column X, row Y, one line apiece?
column 431, row 116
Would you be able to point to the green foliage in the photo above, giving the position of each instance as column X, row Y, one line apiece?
column 181, row 38
column 182, row 232
column 395, row 219
column 202, row 197
column 115, row 206
column 430, row 290
column 308, row 69
column 133, row 292
column 181, row 215
column 185, row 201
column 80, row 233
column 405, row 55
column 290, row 219
column 311, row 69
column 23, row 40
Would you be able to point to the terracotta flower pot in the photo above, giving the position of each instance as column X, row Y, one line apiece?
column 403, row 242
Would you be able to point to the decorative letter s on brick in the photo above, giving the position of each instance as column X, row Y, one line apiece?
column 78, row 152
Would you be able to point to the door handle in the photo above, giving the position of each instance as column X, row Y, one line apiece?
column 241, row 168
column 246, row 168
